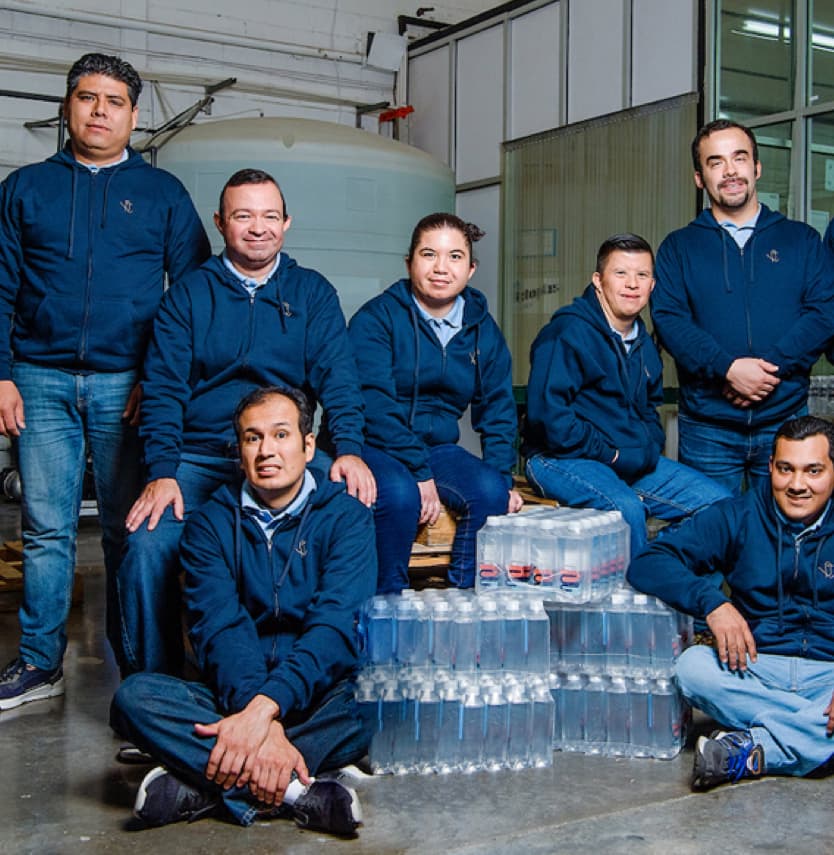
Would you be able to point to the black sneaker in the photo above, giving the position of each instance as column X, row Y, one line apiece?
column 328, row 806
column 21, row 683
column 726, row 757
column 162, row 798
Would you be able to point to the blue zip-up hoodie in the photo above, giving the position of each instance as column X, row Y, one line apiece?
column 280, row 618
column 781, row 576
column 714, row 303
column 589, row 398
column 83, row 258
column 416, row 390
column 213, row 343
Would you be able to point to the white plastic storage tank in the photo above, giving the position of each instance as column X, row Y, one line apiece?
column 354, row 197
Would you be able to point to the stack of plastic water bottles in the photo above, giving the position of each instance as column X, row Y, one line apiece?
column 457, row 682
column 612, row 682
column 562, row 554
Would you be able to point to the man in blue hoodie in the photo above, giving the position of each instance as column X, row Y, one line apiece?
column 593, row 437
column 744, row 303
column 276, row 574
column 248, row 317
column 770, row 678
column 86, row 240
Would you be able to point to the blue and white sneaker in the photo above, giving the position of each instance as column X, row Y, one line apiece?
column 21, row 683
column 726, row 757
column 163, row 798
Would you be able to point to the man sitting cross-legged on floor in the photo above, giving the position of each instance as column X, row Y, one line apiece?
column 276, row 572
column 770, row 682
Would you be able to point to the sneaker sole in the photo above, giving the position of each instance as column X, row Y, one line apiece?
column 142, row 793
column 38, row 693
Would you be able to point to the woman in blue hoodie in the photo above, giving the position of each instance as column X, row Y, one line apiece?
column 426, row 349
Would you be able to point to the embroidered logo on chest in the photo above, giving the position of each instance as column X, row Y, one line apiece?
column 126, row 205
column 827, row 569
column 773, row 256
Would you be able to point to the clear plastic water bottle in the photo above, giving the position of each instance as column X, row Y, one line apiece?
column 490, row 652
column 596, row 713
column 572, row 712
column 407, row 629
column 642, row 634
column 520, row 720
column 544, row 556
column 491, row 570
column 666, row 719
column 570, row 620
column 465, row 635
column 575, row 577
column 429, row 722
column 555, row 686
column 641, row 740
column 542, row 725
column 380, row 627
column 519, row 562
column 496, row 729
column 472, row 730
column 382, row 748
column 617, row 744
column 593, row 638
column 406, row 732
column 450, row 737
column 422, row 634
column 443, row 629
column 538, row 637
column 667, row 640
column 618, row 632
column 514, row 635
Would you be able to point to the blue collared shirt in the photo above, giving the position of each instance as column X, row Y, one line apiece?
column 268, row 518
column 741, row 234
column 251, row 285
column 95, row 167
column 447, row 327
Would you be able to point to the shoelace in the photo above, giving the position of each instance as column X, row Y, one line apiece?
column 738, row 750
column 12, row 671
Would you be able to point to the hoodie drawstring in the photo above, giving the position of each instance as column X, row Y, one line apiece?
column 73, row 197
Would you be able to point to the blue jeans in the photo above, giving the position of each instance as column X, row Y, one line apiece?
column 671, row 492
column 733, row 458
column 158, row 712
column 779, row 699
column 149, row 596
column 68, row 415
column 470, row 488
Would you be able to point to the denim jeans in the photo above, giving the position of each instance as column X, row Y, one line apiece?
column 734, row 458
column 779, row 699
column 149, row 596
column 158, row 712
column 671, row 492
column 472, row 489
column 68, row 415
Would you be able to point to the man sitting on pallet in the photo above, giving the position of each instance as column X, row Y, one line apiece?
column 593, row 437
column 276, row 573
column 769, row 681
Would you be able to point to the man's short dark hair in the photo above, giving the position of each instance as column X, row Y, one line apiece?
column 713, row 127
column 109, row 66
column 803, row 427
column 250, row 176
column 626, row 242
column 263, row 393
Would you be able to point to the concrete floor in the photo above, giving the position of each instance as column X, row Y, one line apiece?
column 61, row 789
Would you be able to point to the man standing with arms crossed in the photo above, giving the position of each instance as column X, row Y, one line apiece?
column 744, row 303
column 86, row 238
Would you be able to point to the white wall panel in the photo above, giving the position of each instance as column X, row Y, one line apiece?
column 429, row 92
column 535, row 71
column 479, row 107
column 596, row 58
column 664, row 54
column 482, row 207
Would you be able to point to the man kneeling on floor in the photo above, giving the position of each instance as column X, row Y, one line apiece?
column 769, row 682
column 276, row 572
